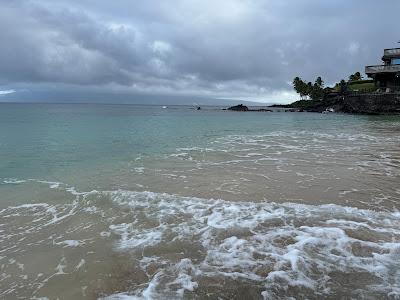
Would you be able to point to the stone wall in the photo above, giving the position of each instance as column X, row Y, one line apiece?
column 387, row 103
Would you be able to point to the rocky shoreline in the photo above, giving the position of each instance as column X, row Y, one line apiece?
column 372, row 104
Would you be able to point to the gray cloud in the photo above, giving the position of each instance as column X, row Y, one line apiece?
column 235, row 49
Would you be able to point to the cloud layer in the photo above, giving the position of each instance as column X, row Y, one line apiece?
column 249, row 49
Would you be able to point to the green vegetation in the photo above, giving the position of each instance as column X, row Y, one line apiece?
column 316, row 91
column 355, row 95
column 365, row 87
column 355, row 77
column 309, row 90
column 362, row 86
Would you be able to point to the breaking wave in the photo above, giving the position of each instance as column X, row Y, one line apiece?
column 194, row 247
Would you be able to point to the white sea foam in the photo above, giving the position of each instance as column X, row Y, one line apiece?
column 70, row 243
column 182, row 243
column 13, row 181
column 277, row 143
column 300, row 245
column 80, row 264
column 139, row 170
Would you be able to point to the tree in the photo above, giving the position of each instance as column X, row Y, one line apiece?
column 313, row 91
column 343, row 86
column 300, row 87
column 356, row 76
column 296, row 84
column 309, row 89
column 319, row 82
column 303, row 90
column 317, row 92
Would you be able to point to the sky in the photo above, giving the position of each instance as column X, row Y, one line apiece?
column 216, row 49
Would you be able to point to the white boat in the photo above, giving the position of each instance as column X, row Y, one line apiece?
column 328, row 110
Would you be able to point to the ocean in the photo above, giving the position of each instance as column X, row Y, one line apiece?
column 142, row 202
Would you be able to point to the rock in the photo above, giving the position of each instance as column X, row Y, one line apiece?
column 263, row 109
column 239, row 107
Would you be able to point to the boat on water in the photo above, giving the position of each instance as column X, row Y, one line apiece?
column 328, row 111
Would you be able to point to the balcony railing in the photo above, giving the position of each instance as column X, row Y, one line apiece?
column 382, row 69
column 391, row 52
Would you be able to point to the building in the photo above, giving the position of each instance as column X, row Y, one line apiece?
column 387, row 76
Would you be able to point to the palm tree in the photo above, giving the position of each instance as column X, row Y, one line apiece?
column 319, row 82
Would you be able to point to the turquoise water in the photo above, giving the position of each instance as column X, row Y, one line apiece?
column 54, row 141
column 45, row 140
column 141, row 201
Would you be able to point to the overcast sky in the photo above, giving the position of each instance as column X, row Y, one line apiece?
column 236, row 49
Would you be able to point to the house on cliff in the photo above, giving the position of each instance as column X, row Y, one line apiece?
column 387, row 75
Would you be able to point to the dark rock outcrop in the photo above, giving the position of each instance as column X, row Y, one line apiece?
column 239, row 107
column 388, row 103
column 372, row 104
column 242, row 107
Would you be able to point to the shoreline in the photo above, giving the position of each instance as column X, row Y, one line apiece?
column 361, row 104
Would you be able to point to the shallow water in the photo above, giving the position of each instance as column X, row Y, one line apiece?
column 119, row 201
